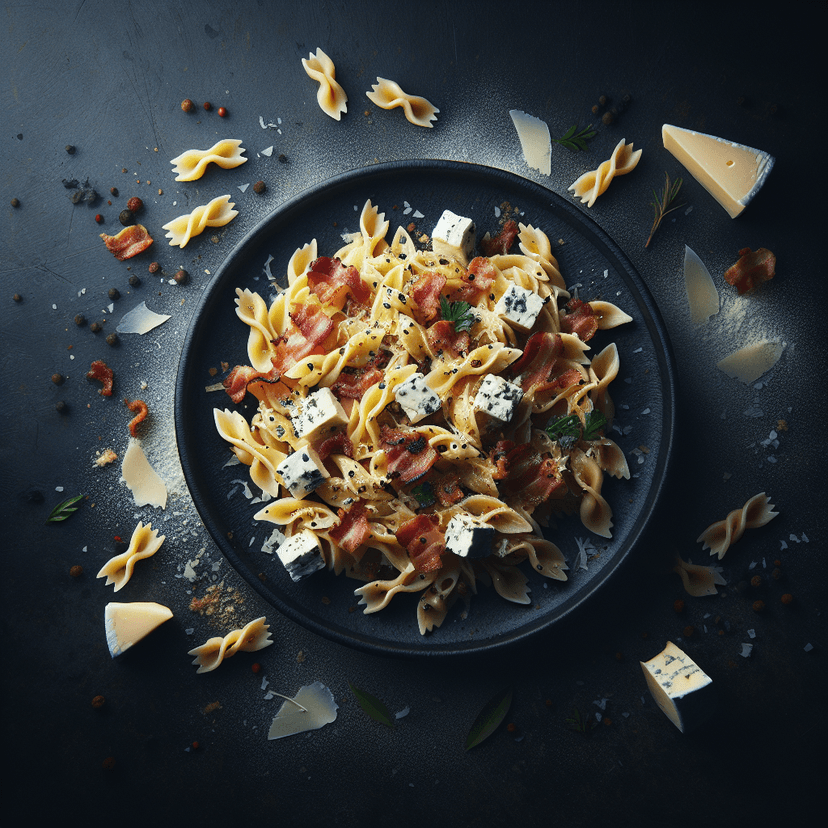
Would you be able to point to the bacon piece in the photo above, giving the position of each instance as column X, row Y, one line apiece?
column 447, row 488
column 236, row 382
column 502, row 241
column 424, row 541
column 499, row 455
column 129, row 242
column 540, row 355
column 100, row 371
column 306, row 335
column 335, row 444
column 441, row 336
column 139, row 407
column 351, row 384
column 426, row 295
column 478, row 278
column 753, row 268
column 580, row 320
column 531, row 478
column 353, row 529
column 333, row 282
column 409, row 454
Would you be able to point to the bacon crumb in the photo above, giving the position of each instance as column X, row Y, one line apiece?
column 100, row 371
column 139, row 407
column 129, row 242
column 502, row 241
column 753, row 268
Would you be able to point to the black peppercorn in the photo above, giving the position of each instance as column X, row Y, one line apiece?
column 282, row 158
column 259, row 187
column 15, row 202
column 60, row 407
column 114, row 293
column 112, row 339
column 113, row 190
column 126, row 218
column 17, row 297
column 134, row 280
column 607, row 118
column 70, row 149
column 603, row 100
column 80, row 320
column 95, row 327
column 181, row 277
column 57, row 379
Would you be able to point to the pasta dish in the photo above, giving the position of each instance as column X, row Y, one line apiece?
column 424, row 411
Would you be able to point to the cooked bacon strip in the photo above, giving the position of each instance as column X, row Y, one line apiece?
column 753, row 268
column 540, row 356
column 351, row 384
column 580, row 320
column 502, row 241
column 335, row 444
column 478, row 278
column 572, row 376
column 424, row 541
column 499, row 455
column 333, row 282
column 100, row 371
column 129, row 242
column 141, row 411
column 236, row 382
column 409, row 454
column 353, row 529
column 447, row 488
column 442, row 337
column 426, row 295
column 531, row 478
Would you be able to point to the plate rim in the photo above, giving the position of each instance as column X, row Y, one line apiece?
column 665, row 357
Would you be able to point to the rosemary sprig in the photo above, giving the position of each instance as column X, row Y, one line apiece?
column 663, row 203
column 64, row 510
column 458, row 312
column 579, row 722
column 574, row 140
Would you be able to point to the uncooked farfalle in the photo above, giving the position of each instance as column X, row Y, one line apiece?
column 330, row 96
column 190, row 165
column 215, row 214
column 144, row 543
column 698, row 580
column 592, row 184
column 387, row 94
column 719, row 536
column 253, row 636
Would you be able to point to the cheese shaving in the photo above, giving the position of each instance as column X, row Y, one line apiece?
column 147, row 487
column 702, row 295
column 535, row 140
column 319, row 710
column 751, row 362
column 141, row 320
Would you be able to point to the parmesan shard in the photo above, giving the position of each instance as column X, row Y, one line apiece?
column 535, row 140
column 140, row 320
column 319, row 710
column 147, row 488
column 751, row 362
column 127, row 624
column 730, row 172
column 702, row 295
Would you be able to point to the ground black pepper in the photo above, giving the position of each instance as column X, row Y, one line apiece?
column 126, row 218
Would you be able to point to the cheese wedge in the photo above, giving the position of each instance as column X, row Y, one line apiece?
column 680, row 687
column 127, row 624
column 731, row 173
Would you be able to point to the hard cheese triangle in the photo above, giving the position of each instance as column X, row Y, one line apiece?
column 730, row 172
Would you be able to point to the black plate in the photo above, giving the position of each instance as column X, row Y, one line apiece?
column 643, row 394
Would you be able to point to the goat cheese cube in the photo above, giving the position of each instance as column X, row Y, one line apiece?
column 519, row 307
column 302, row 471
column 318, row 411
column 498, row 398
column 454, row 237
column 417, row 399
column 301, row 555
column 468, row 537
column 680, row 687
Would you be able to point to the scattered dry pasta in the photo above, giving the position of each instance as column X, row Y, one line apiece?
column 254, row 636
column 216, row 213
column 191, row 164
column 592, row 184
column 698, row 580
column 144, row 543
column 719, row 536
column 403, row 399
column 387, row 94
column 330, row 96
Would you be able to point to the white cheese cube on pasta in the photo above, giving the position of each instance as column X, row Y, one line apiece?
column 319, row 411
column 301, row 555
column 302, row 471
column 498, row 398
column 680, row 687
column 417, row 399
column 519, row 307
column 454, row 237
column 469, row 538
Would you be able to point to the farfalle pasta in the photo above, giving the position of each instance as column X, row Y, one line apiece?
column 592, row 184
column 144, row 543
column 216, row 213
column 191, row 164
column 719, row 536
column 330, row 96
column 403, row 399
column 253, row 636
column 387, row 94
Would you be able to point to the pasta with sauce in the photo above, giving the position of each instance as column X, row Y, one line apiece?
column 403, row 397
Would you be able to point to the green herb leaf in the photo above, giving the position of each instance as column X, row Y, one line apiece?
column 458, row 312
column 569, row 426
column 424, row 494
column 64, row 510
column 663, row 203
column 487, row 721
column 580, row 723
column 595, row 422
column 567, row 430
column 574, row 140
column 372, row 706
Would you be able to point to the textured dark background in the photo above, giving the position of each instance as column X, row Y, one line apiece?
column 109, row 78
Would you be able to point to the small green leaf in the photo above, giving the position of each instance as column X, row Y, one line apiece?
column 595, row 422
column 569, row 426
column 458, row 312
column 573, row 141
column 487, row 721
column 372, row 706
column 424, row 493
column 64, row 510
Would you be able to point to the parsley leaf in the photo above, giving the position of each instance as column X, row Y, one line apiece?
column 458, row 312
column 424, row 494
column 595, row 422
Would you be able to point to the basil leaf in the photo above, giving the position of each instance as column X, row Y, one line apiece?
column 372, row 706
column 487, row 721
